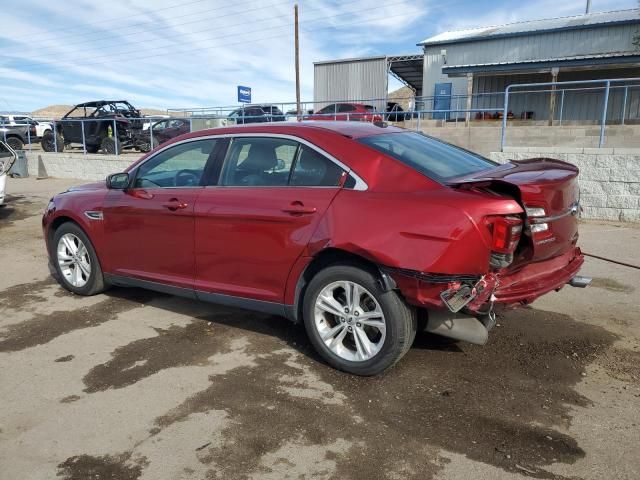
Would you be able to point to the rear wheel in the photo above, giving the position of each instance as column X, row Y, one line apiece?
column 48, row 143
column 108, row 145
column 93, row 148
column 355, row 325
column 75, row 261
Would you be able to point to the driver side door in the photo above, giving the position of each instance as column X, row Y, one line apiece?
column 149, row 227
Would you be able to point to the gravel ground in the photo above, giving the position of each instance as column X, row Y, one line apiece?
column 138, row 385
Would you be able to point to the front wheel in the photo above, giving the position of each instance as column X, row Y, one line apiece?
column 15, row 143
column 75, row 261
column 353, row 323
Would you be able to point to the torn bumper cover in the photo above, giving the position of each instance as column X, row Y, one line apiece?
column 521, row 285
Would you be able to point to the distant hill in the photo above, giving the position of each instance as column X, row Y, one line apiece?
column 403, row 96
column 55, row 111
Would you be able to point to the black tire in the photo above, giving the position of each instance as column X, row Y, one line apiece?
column 400, row 320
column 108, row 145
column 48, row 145
column 95, row 283
column 93, row 148
column 15, row 143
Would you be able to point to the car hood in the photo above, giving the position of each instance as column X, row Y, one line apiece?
column 102, row 185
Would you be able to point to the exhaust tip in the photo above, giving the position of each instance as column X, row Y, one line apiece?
column 580, row 281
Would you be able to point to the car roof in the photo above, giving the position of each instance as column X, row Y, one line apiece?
column 100, row 103
column 347, row 129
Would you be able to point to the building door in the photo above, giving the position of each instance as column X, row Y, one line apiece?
column 442, row 101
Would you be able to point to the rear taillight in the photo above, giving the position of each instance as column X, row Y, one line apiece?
column 539, row 229
column 506, row 233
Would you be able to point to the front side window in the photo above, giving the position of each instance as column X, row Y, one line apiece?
column 277, row 162
column 178, row 166
column 433, row 158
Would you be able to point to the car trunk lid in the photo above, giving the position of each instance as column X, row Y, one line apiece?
column 548, row 191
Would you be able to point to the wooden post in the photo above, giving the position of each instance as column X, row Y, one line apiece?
column 469, row 98
column 297, row 50
column 552, row 96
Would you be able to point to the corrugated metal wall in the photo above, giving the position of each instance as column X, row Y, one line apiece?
column 351, row 80
column 578, row 106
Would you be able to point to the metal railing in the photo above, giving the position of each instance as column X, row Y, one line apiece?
column 608, row 86
column 610, row 101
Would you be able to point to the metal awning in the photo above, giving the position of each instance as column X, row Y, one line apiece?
column 407, row 69
column 580, row 61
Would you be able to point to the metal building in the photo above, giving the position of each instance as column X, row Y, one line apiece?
column 470, row 69
column 364, row 79
column 484, row 61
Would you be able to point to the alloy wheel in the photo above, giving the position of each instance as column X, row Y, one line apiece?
column 350, row 321
column 74, row 260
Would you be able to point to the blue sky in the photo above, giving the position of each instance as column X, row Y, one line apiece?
column 171, row 54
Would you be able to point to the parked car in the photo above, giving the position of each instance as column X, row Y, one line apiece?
column 360, row 232
column 19, row 119
column 7, row 158
column 108, row 125
column 256, row 114
column 355, row 112
column 167, row 129
column 16, row 136
column 395, row 113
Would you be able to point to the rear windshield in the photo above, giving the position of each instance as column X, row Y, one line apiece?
column 437, row 160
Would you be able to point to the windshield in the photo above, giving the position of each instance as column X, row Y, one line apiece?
column 437, row 160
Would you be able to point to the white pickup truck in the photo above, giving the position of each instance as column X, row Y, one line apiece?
column 41, row 127
column 7, row 157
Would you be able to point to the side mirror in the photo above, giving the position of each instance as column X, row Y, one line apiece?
column 118, row 181
column 7, row 158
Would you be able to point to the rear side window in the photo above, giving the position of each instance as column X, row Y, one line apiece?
column 259, row 162
column 345, row 107
column 437, row 160
column 277, row 162
column 314, row 170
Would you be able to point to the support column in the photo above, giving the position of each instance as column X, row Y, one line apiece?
column 469, row 98
column 552, row 96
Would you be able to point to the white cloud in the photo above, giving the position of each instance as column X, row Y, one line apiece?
column 157, row 55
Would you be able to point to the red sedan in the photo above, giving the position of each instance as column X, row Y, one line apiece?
column 361, row 232
column 354, row 112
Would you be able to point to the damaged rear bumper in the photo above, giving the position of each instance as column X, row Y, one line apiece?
column 520, row 286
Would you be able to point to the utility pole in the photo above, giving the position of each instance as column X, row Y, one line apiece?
column 297, row 49
column 588, row 10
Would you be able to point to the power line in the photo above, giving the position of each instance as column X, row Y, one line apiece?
column 103, row 22
column 164, row 27
column 23, row 54
column 38, row 65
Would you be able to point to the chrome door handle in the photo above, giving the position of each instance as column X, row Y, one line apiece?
column 174, row 204
column 298, row 208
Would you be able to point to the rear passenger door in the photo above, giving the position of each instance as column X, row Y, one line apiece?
column 253, row 225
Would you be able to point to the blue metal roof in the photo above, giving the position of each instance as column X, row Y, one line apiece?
column 536, row 26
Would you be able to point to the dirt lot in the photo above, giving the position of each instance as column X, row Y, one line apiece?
column 140, row 385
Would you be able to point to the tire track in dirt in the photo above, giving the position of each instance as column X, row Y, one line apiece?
column 499, row 404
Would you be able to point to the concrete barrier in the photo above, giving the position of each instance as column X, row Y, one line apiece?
column 609, row 177
column 77, row 165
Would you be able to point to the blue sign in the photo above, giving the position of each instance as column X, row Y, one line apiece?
column 244, row 94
